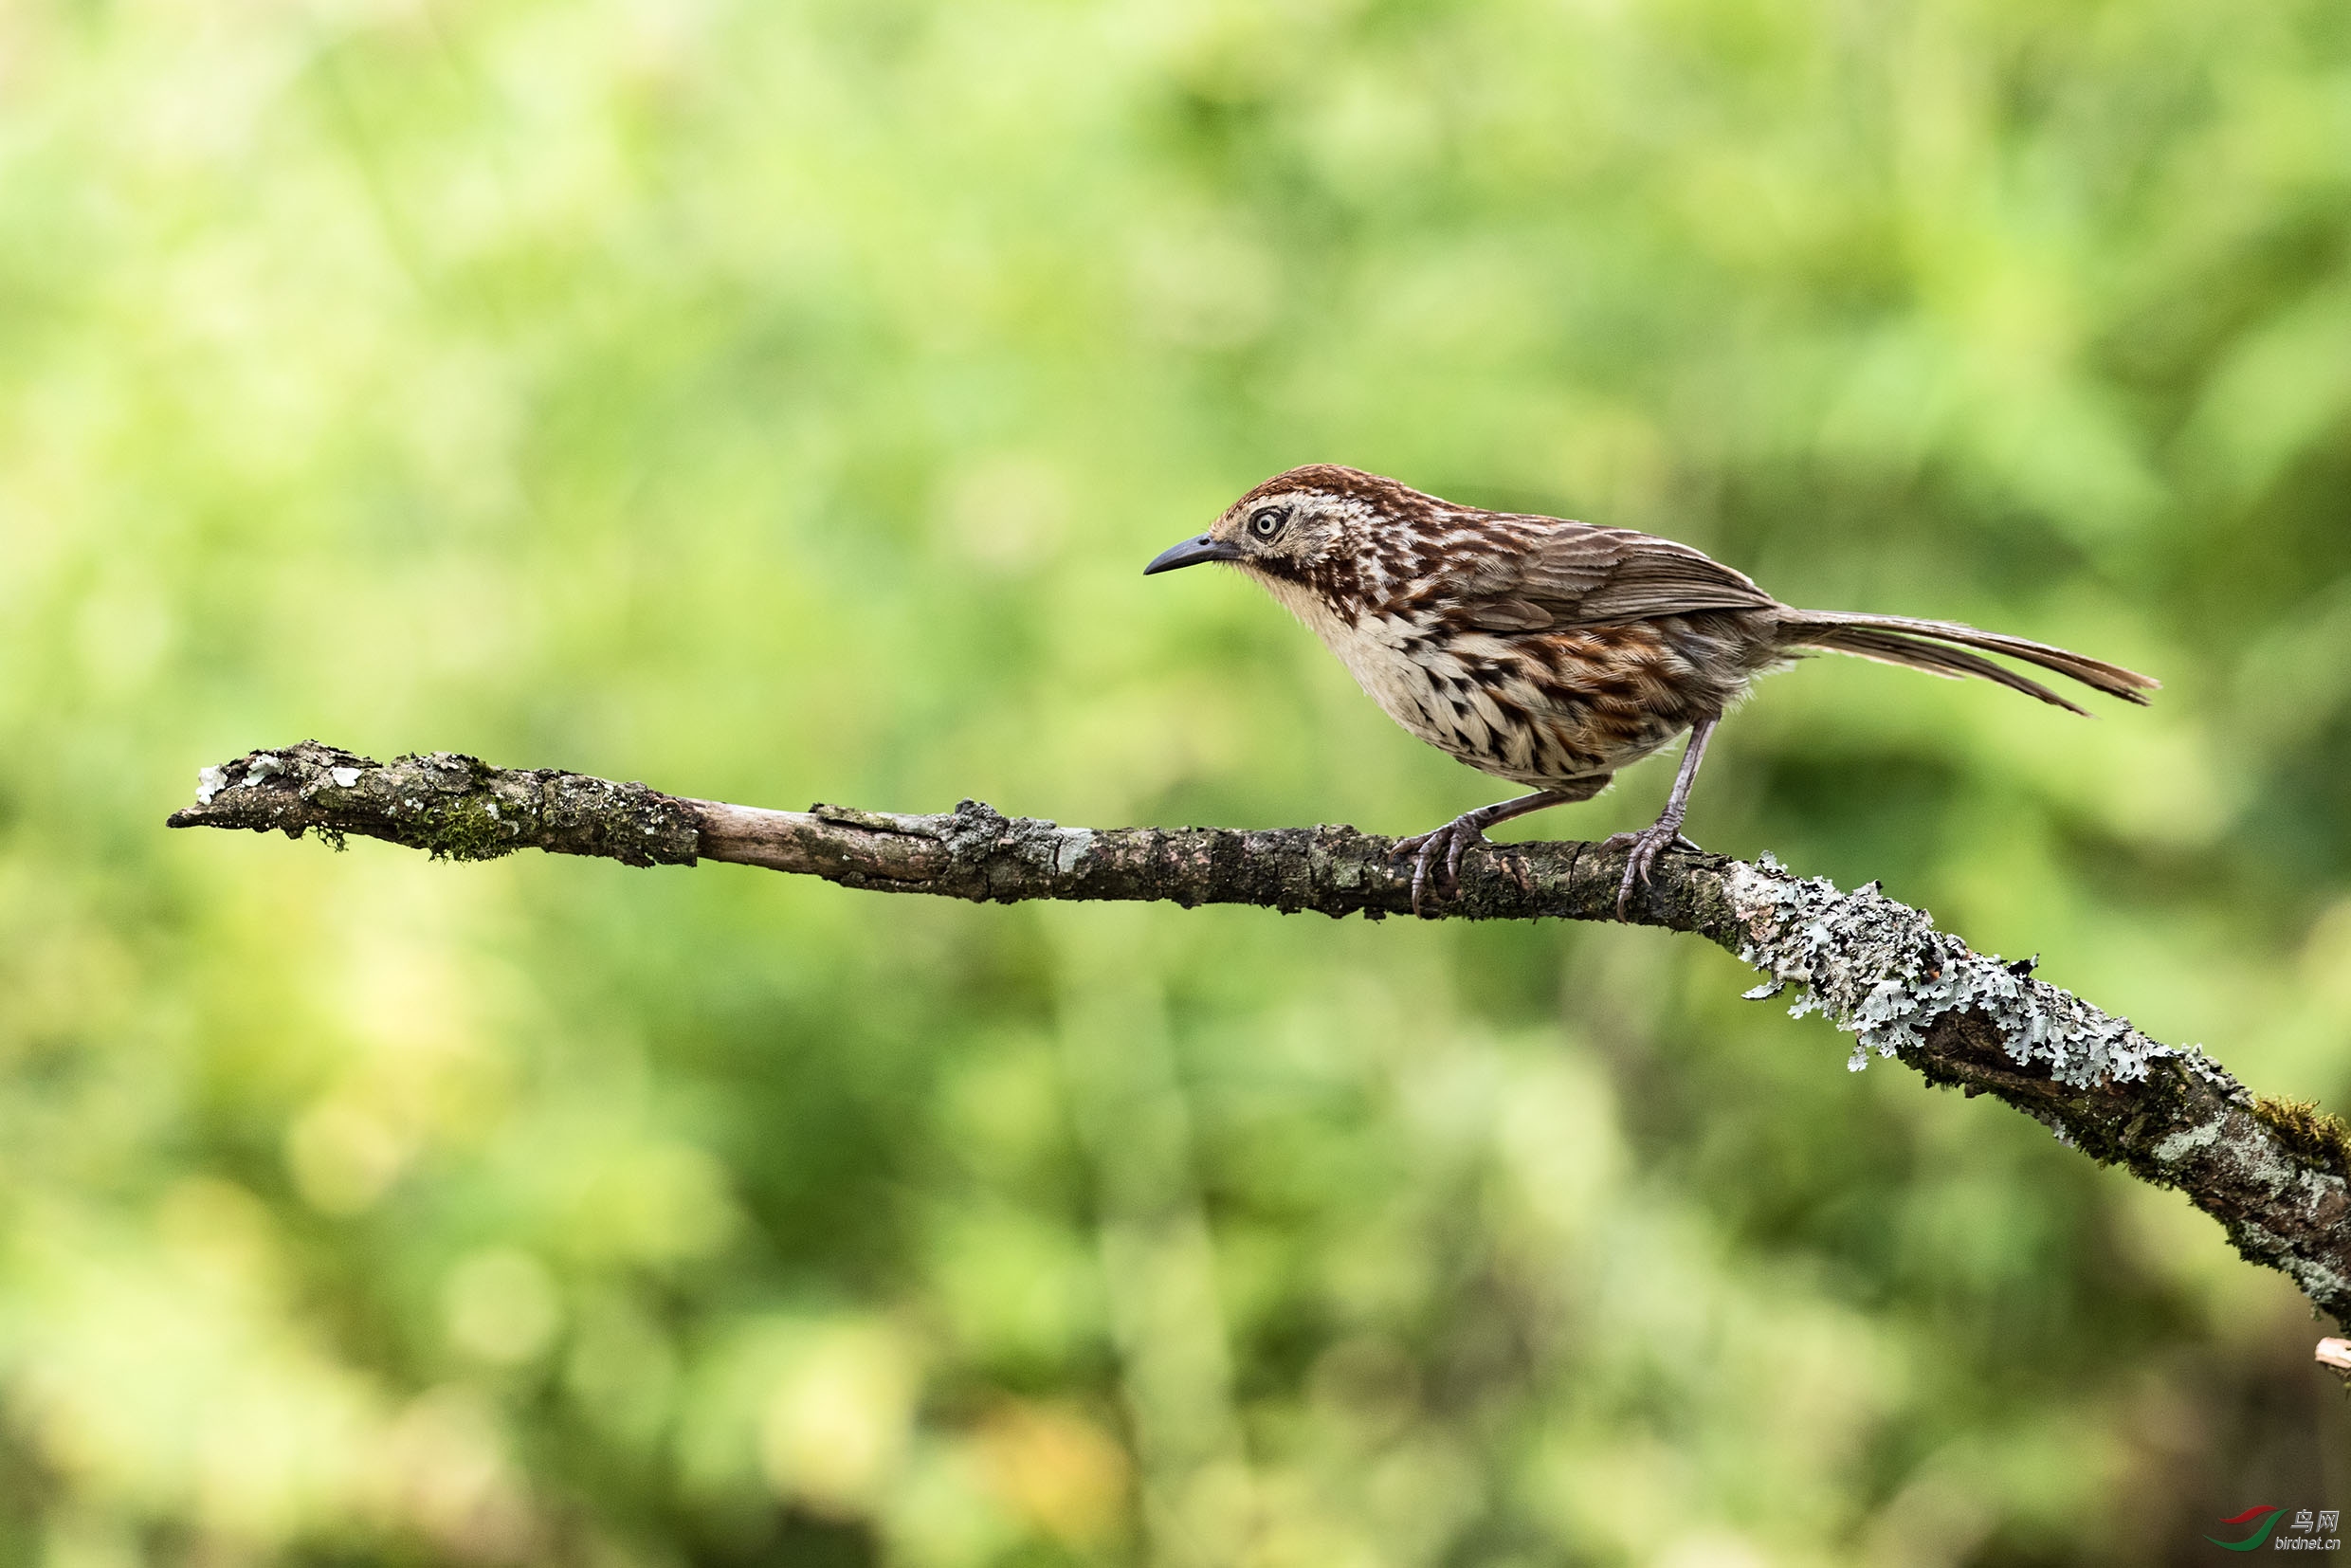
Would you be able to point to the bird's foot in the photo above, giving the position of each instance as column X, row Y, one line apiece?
column 1646, row 845
column 1440, row 849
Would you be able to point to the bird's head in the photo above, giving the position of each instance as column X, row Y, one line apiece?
column 1320, row 527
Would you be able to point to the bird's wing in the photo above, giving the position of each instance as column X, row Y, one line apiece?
column 1567, row 575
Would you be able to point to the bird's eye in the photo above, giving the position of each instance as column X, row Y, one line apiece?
column 1267, row 521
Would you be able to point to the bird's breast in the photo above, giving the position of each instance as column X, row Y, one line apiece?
column 1536, row 710
column 1472, row 695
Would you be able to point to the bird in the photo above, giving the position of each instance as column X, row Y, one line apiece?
column 1553, row 653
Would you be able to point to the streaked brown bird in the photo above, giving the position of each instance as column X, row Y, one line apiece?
column 1553, row 653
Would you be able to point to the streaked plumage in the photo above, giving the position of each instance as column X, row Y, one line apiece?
column 1553, row 653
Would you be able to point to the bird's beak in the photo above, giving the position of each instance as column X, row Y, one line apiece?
column 1191, row 553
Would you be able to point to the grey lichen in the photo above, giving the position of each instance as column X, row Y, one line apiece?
column 1880, row 971
column 976, row 829
column 250, row 769
column 978, row 832
column 2180, row 1146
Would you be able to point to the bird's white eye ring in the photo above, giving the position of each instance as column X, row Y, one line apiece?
column 1267, row 521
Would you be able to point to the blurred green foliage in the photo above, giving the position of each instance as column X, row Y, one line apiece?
column 776, row 401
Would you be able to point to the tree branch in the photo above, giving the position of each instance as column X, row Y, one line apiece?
column 2272, row 1172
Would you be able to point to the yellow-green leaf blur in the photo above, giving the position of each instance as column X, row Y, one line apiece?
column 776, row 401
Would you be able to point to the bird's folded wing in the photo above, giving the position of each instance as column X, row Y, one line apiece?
column 1571, row 575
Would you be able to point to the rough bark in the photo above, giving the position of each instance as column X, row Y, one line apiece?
column 2272, row 1172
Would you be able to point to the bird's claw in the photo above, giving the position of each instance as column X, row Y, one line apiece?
column 1443, row 845
column 1645, row 846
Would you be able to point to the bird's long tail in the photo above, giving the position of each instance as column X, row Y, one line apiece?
column 1942, row 647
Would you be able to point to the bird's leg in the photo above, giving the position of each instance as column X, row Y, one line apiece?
column 1469, row 827
column 1652, row 841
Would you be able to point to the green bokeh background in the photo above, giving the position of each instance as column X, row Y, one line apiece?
column 775, row 400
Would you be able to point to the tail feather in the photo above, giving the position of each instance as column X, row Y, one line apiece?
column 1939, row 647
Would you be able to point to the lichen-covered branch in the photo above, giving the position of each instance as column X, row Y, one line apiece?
column 2272, row 1172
